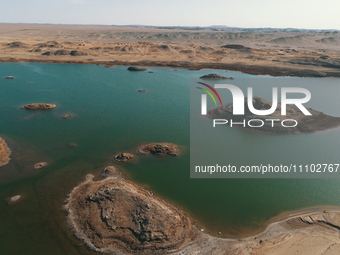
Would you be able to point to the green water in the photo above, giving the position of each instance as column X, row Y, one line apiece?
column 110, row 117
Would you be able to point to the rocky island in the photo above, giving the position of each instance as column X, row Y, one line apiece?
column 160, row 149
column 38, row 106
column 215, row 76
column 123, row 157
column 306, row 123
column 134, row 68
column 117, row 216
column 5, row 153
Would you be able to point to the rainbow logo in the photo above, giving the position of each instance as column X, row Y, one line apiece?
column 210, row 94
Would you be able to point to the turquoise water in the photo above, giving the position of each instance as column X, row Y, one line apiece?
column 111, row 117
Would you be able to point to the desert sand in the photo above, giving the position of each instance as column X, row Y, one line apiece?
column 278, row 53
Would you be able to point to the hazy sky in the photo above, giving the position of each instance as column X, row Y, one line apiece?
column 323, row 14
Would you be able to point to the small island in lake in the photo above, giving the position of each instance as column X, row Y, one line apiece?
column 306, row 123
column 38, row 106
column 117, row 216
column 214, row 76
column 160, row 149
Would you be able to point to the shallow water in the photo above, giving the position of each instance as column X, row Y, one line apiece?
column 110, row 117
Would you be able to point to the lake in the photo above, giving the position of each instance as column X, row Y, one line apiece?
column 111, row 116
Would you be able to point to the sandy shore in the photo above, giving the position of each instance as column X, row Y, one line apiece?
column 313, row 54
column 113, row 229
column 5, row 153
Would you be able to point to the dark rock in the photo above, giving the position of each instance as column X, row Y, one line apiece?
column 9, row 77
column 36, row 50
column 17, row 45
column 134, row 68
column 62, row 52
column 164, row 47
column 123, row 157
column 50, row 44
column 39, row 106
column 142, row 90
column 40, row 165
column 236, row 47
column 47, row 53
column 215, row 76
column 160, row 149
column 78, row 53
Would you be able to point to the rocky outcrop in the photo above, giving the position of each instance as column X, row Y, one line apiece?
column 329, row 63
column 236, row 47
column 215, row 76
column 134, row 68
column 306, row 123
column 78, row 53
column 17, row 45
column 47, row 53
column 40, row 165
column 110, row 171
column 13, row 199
column 5, row 153
column 67, row 116
column 119, row 217
column 39, row 106
column 50, row 44
column 160, row 149
column 123, row 157
column 9, row 77
column 62, row 52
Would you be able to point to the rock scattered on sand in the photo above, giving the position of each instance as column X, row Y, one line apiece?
column 67, row 116
column 235, row 46
column 62, row 52
column 120, row 217
column 215, row 76
column 134, row 68
column 306, row 123
column 50, row 44
column 160, row 149
column 123, row 157
column 5, row 153
column 16, row 45
column 39, row 106
column 40, row 165
column 47, row 53
column 9, row 77
column 13, row 199
column 78, row 53
column 110, row 171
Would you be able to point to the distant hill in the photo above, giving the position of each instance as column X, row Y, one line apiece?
column 240, row 29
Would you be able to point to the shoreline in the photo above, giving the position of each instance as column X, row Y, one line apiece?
column 275, row 71
column 288, row 230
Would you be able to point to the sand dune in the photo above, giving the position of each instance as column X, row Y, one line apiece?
column 264, row 52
